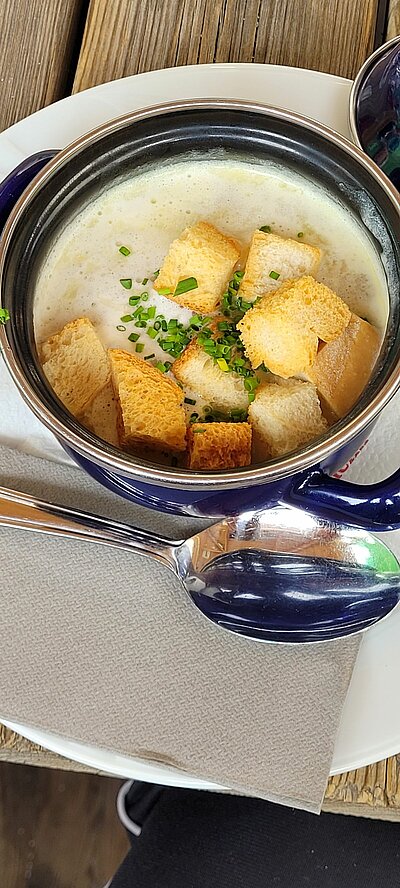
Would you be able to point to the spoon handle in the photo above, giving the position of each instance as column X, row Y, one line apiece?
column 28, row 513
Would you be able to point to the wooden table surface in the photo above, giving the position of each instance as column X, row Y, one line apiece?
column 49, row 49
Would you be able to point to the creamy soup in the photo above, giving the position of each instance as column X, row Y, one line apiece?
column 111, row 251
column 81, row 274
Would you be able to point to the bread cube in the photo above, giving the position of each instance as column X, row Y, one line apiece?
column 75, row 364
column 284, row 417
column 101, row 414
column 150, row 406
column 219, row 445
column 197, row 370
column 343, row 367
column 282, row 256
column 204, row 253
column 283, row 329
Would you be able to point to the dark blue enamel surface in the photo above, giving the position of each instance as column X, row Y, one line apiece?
column 378, row 113
column 202, row 503
column 13, row 185
column 372, row 506
column 287, row 598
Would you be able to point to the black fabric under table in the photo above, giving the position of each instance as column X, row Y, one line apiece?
column 195, row 839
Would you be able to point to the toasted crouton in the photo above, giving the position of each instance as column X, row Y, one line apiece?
column 324, row 312
column 284, row 417
column 283, row 329
column 204, row 253
column 283, row 256
column 75, row 364
column 277, row 340
column 219, row 445
column 343, row 367
column 100, row 415
column 150, row 406
column 198, row 371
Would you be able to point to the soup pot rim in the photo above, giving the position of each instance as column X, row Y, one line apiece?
column 368, row 65
column 126, row 465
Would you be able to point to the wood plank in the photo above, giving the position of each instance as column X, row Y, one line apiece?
column 373, row 791
column 58, row 829
column 393, row 26
column 17, row 750
column 123, row 38
column 37, row 50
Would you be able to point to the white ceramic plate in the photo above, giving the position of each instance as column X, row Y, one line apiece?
column 370, row 725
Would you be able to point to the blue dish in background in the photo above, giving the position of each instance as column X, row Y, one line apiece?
column 375, row 109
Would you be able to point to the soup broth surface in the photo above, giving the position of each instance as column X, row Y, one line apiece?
column 82, row 272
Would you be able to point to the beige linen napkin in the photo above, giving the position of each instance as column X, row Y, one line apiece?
column 103, row 647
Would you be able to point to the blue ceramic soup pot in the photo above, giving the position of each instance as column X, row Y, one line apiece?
column 146, row 139
column 375, row 108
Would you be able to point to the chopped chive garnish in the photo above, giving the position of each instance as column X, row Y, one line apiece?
column 126, row 318
column 126, row 282
column 161, row 367
column 275, row 275
column 149, row 357
column 185, row 286
column 139, row 347
column 4, row 315
column 251, row 397
column 196, row 321
column 141, row 324
column 156, row 273
column 144, row 296
column 152, row 332
column 121, row 328
column 300, row 234
column 133, row 337
column 125, row 251
column 151, row 312
column 222, row 364
column 251, row 383
column 199, row 431
column 266, row 228
column 165, row 291
column 193, row 417
column 191, row 401
column 144, row 282
column 134, row 300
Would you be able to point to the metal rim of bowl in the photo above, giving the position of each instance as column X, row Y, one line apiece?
column 364, row 70
column 147, row 473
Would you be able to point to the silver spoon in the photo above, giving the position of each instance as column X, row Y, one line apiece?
column 280, row 575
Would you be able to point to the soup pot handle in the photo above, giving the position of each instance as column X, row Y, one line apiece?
column 15, row 183
column 372, row 506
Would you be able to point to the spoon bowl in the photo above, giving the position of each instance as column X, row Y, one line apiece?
column 280, row 575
